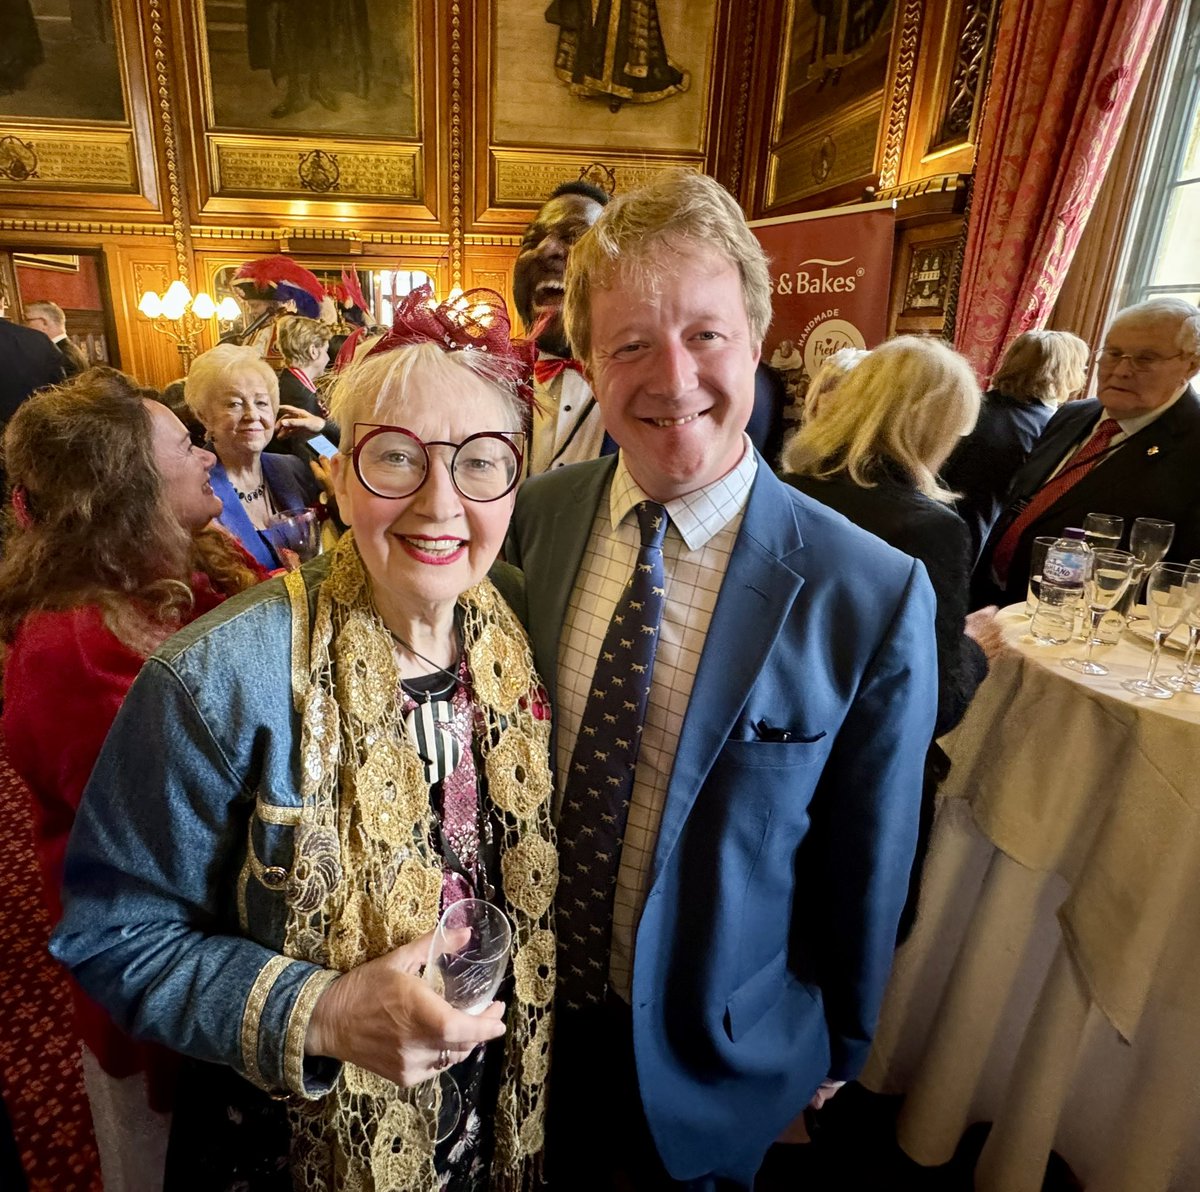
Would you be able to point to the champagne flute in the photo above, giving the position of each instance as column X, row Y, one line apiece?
column 1172, row 589
column 468, row 957
column 1150, row 539
column 1186, row 680
column 1110, row 575
column 1102, row 531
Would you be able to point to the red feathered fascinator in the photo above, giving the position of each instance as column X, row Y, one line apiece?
column 476, row 321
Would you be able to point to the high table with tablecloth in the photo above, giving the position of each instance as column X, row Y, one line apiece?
column 1052, row 982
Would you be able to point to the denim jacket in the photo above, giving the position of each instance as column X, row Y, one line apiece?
column 180, row 856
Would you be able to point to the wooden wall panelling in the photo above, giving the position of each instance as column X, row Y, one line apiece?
column 947, row 86
column 922, row 271
column 81, row 143
column 376, row 162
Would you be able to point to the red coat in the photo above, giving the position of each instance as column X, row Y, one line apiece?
column 64, row 679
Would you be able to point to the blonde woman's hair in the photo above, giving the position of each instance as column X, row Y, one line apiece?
column 678, row 210
column 904, row 407
column 372, row 384
column 829, row 376
column 1045, row 366
column 211, row 370
column 297, row 336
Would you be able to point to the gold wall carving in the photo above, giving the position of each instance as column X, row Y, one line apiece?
column 265, row 167
column 937, row 184
column 456, row 143
column 68, row 160
column 902, row 85
column 526, row 179
column 166, row 117
column 964, row 90
column 75, row 227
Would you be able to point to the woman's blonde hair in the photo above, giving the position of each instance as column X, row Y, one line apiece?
column 297, row 336
column 904, row 407
column 372, row 383
column 1045, row 366
column 829, row 376
column 211, row 371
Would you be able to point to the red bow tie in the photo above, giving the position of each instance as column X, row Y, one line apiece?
column 546, row 369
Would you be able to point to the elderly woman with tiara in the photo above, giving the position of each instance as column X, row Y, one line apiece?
column 258, row 890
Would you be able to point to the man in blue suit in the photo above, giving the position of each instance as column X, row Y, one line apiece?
column 733, row 864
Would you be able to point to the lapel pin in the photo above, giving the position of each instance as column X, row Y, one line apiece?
column 1152, row 450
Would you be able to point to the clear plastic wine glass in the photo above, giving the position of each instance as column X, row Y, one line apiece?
column 1149, row 539
column 1111, row 574
column 1187, row 679
column 468, row 957
column 1172, row 589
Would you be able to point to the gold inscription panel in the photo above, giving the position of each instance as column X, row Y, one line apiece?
column 34, row 160
column 315, row 171
column 827, row 156
column 525, row 179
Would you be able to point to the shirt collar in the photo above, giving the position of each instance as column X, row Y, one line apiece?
column 1131, row 426
column 698, row 516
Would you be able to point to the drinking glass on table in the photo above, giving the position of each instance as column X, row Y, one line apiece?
column 1111, row 574
column 1102, row 531
column 1037, row 556
column 1187, row 679
column 1172, row 590
column 1150, row 539
column 468, row 957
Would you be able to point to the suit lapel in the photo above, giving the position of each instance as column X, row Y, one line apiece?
column 562, row 537
column 758, row 591
column 1069, row 428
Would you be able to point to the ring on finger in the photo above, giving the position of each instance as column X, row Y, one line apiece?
column 442, row 1061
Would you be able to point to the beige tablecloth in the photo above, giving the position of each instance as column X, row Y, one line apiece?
column 1052, row 983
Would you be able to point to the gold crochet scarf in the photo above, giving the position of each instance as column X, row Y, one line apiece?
column 368, row 874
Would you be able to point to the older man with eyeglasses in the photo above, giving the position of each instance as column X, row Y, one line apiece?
column 1132, row 451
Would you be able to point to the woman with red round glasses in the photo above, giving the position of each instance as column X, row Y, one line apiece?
column 258, row 893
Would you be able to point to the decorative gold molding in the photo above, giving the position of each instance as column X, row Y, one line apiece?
column 456, row 145
column 938, row 184
column 50, row 159
column 524, row 177
column 491, row 240
column 897, row 119
column 749, row 32
column 163, row 89
column 961, row 101
column 201, row 232
column 83, row 227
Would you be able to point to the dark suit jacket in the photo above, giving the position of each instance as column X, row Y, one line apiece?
column 935, row 534
column 74, row 361
column 1151, row 474
column 780, row 866
column 984, row 463
column 293, row 392
column 28, row 361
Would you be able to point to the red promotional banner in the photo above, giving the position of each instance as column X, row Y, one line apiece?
column 831, row 273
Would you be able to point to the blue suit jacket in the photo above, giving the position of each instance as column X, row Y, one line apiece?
column 781, row 866
column 292, row 485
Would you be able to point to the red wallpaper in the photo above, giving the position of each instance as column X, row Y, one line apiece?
column 72, row 291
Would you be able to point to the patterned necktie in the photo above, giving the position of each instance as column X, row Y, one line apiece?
column 1076, row 469
column 591, row 825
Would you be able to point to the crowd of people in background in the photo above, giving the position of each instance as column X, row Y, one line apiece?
column 747, row 651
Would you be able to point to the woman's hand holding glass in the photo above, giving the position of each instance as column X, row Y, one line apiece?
column 383, row 1017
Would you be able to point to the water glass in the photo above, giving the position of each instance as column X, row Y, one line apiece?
column 1037, row 556
column 1110, row 576
column 1172, row 590
column 1189, row 680
column 1102, row 531
column 1113, row 622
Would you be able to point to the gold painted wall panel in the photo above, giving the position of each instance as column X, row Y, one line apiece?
column 523, row 178
column 67, row 161
column 314, row 172
column 828, row 156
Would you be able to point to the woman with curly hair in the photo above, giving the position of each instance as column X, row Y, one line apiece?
column 259, row 893
column 108, row 551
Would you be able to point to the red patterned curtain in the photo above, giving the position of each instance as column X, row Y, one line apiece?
column 1063, row 78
